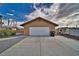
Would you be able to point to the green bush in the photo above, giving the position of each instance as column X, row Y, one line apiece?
column 1, row 33
column 7, row 32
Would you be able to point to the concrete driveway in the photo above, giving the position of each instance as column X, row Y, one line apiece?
column 41, row 46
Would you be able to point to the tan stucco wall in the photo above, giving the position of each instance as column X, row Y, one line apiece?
column 38, row 23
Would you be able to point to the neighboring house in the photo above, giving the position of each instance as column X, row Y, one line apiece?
column 20, row 31
column 69, row 30
column 63, row 30
column 39, row 26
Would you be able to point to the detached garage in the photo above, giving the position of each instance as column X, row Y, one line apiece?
column 39, row 27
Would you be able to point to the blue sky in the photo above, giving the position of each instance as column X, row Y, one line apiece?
column 17, row 9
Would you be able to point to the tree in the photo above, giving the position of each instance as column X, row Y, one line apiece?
column 1, row 20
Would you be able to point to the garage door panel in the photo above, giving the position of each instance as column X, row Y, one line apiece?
column 33, row 31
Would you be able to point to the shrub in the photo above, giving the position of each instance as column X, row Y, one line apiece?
column 7, row 32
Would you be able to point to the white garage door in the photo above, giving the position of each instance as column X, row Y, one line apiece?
column 39, row 31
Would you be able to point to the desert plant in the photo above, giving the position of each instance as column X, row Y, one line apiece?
column 7, row 32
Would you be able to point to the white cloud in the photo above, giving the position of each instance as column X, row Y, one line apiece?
column 36, row 13
column 52, row 13
column 10, row 14
column 48, row 13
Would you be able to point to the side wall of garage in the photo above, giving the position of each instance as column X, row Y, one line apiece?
column 38, row 23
